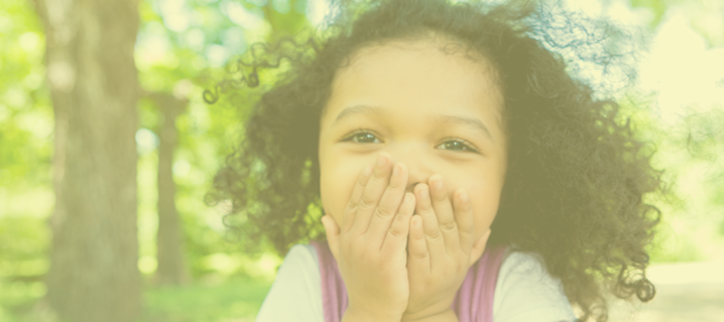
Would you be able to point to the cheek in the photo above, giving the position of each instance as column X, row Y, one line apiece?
column 336, row 184
column 485, row 206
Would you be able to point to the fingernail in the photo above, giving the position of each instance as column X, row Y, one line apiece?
column 464, row 196
column 437, row 184
column 424, row 193
column 396, row 170
column 381, row 160
column 368, row 171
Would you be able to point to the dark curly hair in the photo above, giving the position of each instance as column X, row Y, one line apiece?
column 577, row 174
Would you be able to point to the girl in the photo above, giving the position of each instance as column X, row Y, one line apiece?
column 444, row 166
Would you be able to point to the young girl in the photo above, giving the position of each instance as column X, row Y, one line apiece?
column 457, row 171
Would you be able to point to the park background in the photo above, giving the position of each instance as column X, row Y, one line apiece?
column 188, row 267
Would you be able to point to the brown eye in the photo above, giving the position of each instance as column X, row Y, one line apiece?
column 365, row 137
column 362, row 137
column 454, row 145
column 457, row 145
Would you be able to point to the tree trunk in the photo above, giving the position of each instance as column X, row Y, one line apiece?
column 171, row 265
column 93, row 273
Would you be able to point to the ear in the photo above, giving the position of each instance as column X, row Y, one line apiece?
column 479, row 247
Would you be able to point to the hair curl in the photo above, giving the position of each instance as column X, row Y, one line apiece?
column 576, row 174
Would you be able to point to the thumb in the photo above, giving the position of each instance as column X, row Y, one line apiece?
column 479, row 247
column 332, row 231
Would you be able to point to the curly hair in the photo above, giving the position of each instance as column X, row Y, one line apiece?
column 577, row 175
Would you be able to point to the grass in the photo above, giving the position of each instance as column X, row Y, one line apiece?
column 236, row 299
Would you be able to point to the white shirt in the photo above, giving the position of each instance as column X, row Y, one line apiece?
column 524, row 291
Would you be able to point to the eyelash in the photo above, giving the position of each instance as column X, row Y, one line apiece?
column 465, row 144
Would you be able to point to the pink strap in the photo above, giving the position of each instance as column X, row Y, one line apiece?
column 474, row 300
column 472, row 303
column 334, row 294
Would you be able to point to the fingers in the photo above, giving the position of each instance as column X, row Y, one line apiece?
column 357, row 191
column 465, row 220
column 418, row 259
column 374, row 189
column 387, row 209
column 449, row 229
column 433, row 236
column 445, row 218
column 397, row 234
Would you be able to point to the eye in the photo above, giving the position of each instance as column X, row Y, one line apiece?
column 458, row 145
column 362, row 136
column 366, row 136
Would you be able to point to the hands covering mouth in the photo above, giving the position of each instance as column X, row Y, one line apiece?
column 381, row 220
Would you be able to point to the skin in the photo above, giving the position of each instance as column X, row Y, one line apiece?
column 397, row 266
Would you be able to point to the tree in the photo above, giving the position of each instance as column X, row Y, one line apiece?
column 211, row 35
column 94, row 88
column 171, row 264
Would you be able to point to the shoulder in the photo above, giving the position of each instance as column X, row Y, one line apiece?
column 302, row 254
column 526, row 292
column 300, row 267
column 296, row 293
column 522, row 263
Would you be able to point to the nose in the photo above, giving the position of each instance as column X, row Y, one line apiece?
column 418, row 166
column 416, row 177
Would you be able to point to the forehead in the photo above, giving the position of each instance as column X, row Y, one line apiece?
column 427, row 76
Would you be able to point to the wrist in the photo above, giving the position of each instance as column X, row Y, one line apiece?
column 444, row 316
column 357, row 314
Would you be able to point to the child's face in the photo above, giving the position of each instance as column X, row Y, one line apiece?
column 400, row 98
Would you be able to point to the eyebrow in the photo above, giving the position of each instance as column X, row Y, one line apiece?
column 452, row 119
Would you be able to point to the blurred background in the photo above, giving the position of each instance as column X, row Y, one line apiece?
column 175, row 263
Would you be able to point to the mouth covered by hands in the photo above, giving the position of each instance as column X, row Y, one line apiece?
column 397, row 266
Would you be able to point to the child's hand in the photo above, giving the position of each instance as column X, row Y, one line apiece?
column 370, row 246
column 441, row 249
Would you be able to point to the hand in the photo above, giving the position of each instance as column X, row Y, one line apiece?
column 441, row 249
column 370, row 244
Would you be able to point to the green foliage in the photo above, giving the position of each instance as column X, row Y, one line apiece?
column 26, row 119
column 182, row 49
column 26, row 123
column 237, row 300
column 24, row 241
column 656, row 7
column 687, row 152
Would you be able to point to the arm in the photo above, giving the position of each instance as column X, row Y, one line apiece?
column 369, row 243
column 442, row 246
column 355, row 315
column 445, row 316
column 351, row 316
